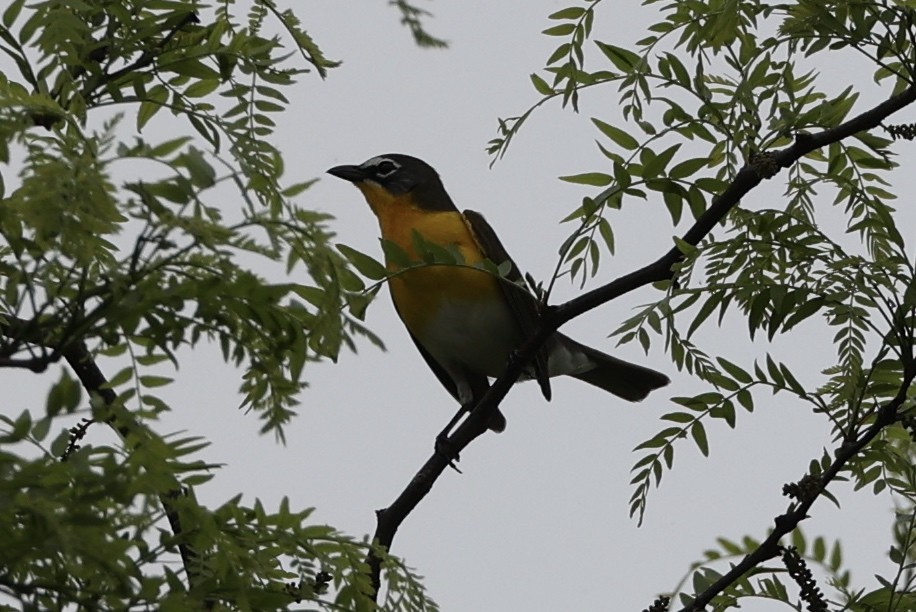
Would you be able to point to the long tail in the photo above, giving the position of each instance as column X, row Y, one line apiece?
column 624, row 379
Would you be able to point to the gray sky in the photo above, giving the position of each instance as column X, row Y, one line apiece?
column 539, row 519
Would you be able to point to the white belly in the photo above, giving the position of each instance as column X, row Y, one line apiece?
column 476, row 338
column 472, row 336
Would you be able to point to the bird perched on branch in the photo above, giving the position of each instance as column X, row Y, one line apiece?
column 465, row 320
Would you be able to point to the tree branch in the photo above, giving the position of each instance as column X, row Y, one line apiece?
column 797, row 512
column 144, row 61
column 94, row 381
column 35, row 364
column 764, row 166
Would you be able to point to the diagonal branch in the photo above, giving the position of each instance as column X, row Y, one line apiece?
column 764, row 166
column 796, row 513
column 94, row 381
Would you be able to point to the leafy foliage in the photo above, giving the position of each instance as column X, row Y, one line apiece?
column 714, row 88
column 767, row 583
column 119, row 247
column 412, row 16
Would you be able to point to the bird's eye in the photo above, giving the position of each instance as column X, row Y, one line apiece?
column 385, row 168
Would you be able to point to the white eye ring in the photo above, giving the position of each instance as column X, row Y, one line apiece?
column 378, row 161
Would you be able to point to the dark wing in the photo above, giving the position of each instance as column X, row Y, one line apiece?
column 524, row 305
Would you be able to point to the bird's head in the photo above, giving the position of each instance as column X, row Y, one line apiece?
column 397, row 179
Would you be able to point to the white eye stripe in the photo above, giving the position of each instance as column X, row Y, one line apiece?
column 377, row 162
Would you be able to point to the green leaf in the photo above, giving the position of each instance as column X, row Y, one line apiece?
column 155, row 99
column 11, row 12
column 708, row 398
column 800, row 313
column 607, row 234
column 684, row 247
column 20, row 427
column 660, row 439
column 120, row 378
column 64, row 396
column 195, row 480
column 725, row 411
column 708, row 306
column 617, row 135
column 201, row 88
column 367, row 266
column 596, row 179
column 793, row 383
column 688, row 167
column 201, row 172
column 41, row 428
column 433, row 253
column 698, row 432
column 819, row 551
column 150, row 381
column 297, row 188
column 349, row 281
column 164, row 149
column 114, row 351
column 734, row 371
column 774, row 372
column 569, row 13
column 798, row 541
column 836, row 557
column 396, row 255
column 541, row 85
column 191, row 68
column 60, row 443
column 680, row 72
column 674, row 202
column 657, row 163
column 266, row 106
column 578, row 248
column 624, row 59
column 558, row 54
column 678, row 417
column 563, row 29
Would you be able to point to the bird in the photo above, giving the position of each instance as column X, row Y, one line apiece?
column 467, row 321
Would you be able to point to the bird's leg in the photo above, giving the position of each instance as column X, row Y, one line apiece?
column 444, row 445
column 479, row 385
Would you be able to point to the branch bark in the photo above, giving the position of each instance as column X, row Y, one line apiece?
column 764, row 166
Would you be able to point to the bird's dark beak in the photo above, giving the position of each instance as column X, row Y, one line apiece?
column 354, row 174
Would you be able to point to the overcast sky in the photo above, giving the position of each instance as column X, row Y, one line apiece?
column 539, row 519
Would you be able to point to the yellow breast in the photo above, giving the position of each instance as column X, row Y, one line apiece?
column 420, row 294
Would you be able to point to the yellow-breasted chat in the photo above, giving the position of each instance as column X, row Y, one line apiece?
column 465, row 321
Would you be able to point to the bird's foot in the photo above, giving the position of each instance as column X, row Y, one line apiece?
column 445, row 449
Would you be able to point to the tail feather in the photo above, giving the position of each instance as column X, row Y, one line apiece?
column 627, row 380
